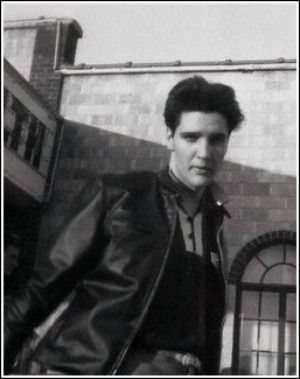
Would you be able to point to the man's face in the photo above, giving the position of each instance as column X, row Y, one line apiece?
column 198, row 147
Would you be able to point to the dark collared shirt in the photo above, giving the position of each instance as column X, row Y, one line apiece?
column 176, row 319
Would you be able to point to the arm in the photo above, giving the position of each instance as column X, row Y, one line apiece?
column 70, row 255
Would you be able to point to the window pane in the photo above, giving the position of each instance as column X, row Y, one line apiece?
column 290, row 364
column 44, row 166
column 282, row 274
column 253, row 272
column 268, row 337
column 267, row 364
column 291, row 254
column 269, row 306
column 249, row 335
column 272, row 255
column 290, row 337
column 291, row 307
column 247, row 363
column 250, row 303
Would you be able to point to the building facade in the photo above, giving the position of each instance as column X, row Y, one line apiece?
column 31, row 136
column 113, row 122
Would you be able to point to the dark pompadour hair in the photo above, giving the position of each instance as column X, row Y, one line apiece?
column 197, row 94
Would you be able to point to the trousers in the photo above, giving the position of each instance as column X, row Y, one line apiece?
column 160, row 362
column 141, row 362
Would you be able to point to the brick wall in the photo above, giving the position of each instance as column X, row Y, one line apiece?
column 49, row 55
column 122, row 128
column 36, row 48
column 42, row 75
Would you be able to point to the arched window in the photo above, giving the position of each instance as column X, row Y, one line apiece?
column 264, row 273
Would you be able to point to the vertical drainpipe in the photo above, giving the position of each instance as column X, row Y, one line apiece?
column 59, row 128
column 57, row 143
column 58, row 32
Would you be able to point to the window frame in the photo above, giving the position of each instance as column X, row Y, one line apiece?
column 239, row 266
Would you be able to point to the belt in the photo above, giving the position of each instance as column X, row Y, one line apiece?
column 186, row 359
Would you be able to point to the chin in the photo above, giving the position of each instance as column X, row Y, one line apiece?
column 202, row 181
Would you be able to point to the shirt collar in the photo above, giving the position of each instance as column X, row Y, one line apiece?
column 219, row 197
column 218, row 194
column 212, row 196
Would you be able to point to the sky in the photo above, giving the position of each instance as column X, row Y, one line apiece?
column 143, row 32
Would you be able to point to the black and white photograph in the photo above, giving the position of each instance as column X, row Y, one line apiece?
column 150, row 188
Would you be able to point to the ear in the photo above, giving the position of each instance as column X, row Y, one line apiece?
column 170, row 139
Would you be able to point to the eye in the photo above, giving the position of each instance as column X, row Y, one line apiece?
column 190, row 138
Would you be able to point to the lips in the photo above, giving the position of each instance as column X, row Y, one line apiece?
column 202, row 170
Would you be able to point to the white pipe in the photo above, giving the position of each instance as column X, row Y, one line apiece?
column 47, row 195
column 200, row 68
column 58, row 28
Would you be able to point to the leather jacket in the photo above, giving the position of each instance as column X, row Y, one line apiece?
column 112, row 254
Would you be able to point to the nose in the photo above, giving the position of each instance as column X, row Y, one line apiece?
column 203, row 149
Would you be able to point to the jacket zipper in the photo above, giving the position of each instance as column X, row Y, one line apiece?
column 128, row 343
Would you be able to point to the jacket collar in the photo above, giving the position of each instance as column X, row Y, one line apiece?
column 219, row 197
column 214, row 196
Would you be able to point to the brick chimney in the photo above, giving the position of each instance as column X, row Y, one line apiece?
column 37, row 48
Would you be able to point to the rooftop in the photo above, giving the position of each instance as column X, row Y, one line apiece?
column 30, row 23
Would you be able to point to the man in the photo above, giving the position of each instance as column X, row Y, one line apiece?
column 142, row 257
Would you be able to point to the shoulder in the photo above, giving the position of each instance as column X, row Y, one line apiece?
column 129, row 181
column 111, row 187
column 134, row 181
column 101, row 193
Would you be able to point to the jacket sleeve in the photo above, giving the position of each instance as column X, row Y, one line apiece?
column 57, row 270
